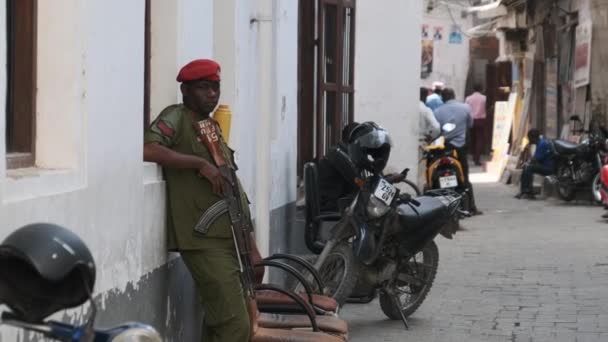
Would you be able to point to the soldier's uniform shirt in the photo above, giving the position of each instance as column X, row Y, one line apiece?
column 188, row 194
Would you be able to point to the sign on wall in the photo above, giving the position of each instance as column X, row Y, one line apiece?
column 455, row 35
column 425, row 31
column 582, row 54
column 438, row 35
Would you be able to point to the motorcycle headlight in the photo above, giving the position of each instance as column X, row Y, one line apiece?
column 138, row 334
column 376, row 208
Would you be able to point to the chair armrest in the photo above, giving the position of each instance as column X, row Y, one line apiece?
column 310, row 312
column 300, row 261
column 289, row 269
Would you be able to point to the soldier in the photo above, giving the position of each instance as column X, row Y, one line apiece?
column 194, row 185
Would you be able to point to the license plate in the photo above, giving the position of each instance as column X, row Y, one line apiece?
column 448, row 182
column 385, row 192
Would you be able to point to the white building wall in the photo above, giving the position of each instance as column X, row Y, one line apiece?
column 450, row 61
column 91, row 177
column 387, row 74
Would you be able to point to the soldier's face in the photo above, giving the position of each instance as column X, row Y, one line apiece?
column 202, row 94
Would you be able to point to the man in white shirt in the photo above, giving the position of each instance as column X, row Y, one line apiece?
column 477, row 102
column 429, row 127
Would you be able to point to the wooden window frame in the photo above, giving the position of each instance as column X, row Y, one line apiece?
column 21, row 92
column 338, row 87
column 312, row 140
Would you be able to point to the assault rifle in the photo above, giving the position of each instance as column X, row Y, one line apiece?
column 209, row 133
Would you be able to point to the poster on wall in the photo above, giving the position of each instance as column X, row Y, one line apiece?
column 503, row 120
column 427, row 58
column 455, row 35
column 425, row 31
column 582, row 54
column 438, row 35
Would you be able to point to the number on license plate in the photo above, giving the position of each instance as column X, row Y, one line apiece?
column 448, row 182
column 385, row 192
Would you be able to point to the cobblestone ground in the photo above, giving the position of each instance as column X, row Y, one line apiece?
column 524, row 271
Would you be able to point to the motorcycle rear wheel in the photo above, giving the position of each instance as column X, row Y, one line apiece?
column 411, row 296
column 339, row 273
column 565, row 191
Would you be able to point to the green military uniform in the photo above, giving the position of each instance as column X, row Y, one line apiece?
column 212, row 258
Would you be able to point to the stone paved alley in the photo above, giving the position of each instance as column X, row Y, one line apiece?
column 524, row 271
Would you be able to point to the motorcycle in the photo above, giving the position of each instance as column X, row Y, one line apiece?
column 130, row 332
column 383, row 245
column 604, row 189
column 577, row 166
column 443, row 169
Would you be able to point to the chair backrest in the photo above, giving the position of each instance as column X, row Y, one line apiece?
column 311, row 191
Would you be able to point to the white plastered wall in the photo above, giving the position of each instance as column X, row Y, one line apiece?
column 90, row 175
column 450, row 61
column 387, row 74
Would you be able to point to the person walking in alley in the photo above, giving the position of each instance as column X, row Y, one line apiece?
column 477, row 102
column 194, row 185
column 541, row 163
column 429, row 127
column 459, row 114
column 434, row 100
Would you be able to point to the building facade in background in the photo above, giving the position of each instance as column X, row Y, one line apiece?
column 84, row 78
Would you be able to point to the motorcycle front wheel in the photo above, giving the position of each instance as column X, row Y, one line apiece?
column 339, row 273
column 565, row 190
column 422, row 268
column 596, row 186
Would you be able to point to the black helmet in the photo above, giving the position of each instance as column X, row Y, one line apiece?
column 369, row 147
column 44, row 268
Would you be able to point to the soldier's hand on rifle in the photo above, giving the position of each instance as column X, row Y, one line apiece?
column 212, row 173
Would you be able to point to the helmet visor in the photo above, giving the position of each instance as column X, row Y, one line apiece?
column 375, row 139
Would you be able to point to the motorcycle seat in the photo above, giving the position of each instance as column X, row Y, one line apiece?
column 430, row 209
column 564, row 147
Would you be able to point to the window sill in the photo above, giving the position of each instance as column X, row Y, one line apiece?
column 153, row 173
column 29, row 183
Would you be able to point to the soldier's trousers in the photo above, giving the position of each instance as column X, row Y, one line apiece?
column 215, row 270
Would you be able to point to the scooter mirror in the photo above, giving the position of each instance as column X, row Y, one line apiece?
column 448, row 127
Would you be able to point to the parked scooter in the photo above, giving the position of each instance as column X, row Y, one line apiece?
column 45, row 268
column 577, row 166
column 443, row 169
column 604, row 189
column 383, row 243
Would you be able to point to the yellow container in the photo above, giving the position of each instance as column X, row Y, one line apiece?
column 223, row 116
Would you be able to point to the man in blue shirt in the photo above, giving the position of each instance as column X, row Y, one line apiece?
column 541, row 163
column 458, row 114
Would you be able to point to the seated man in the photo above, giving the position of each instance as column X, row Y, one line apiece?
column 541, row 163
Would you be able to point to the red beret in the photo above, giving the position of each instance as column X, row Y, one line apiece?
column 199, row 69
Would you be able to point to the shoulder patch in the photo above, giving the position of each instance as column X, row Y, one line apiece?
column 165, row 129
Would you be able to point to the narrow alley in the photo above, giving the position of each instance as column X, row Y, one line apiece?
column 524, row 271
